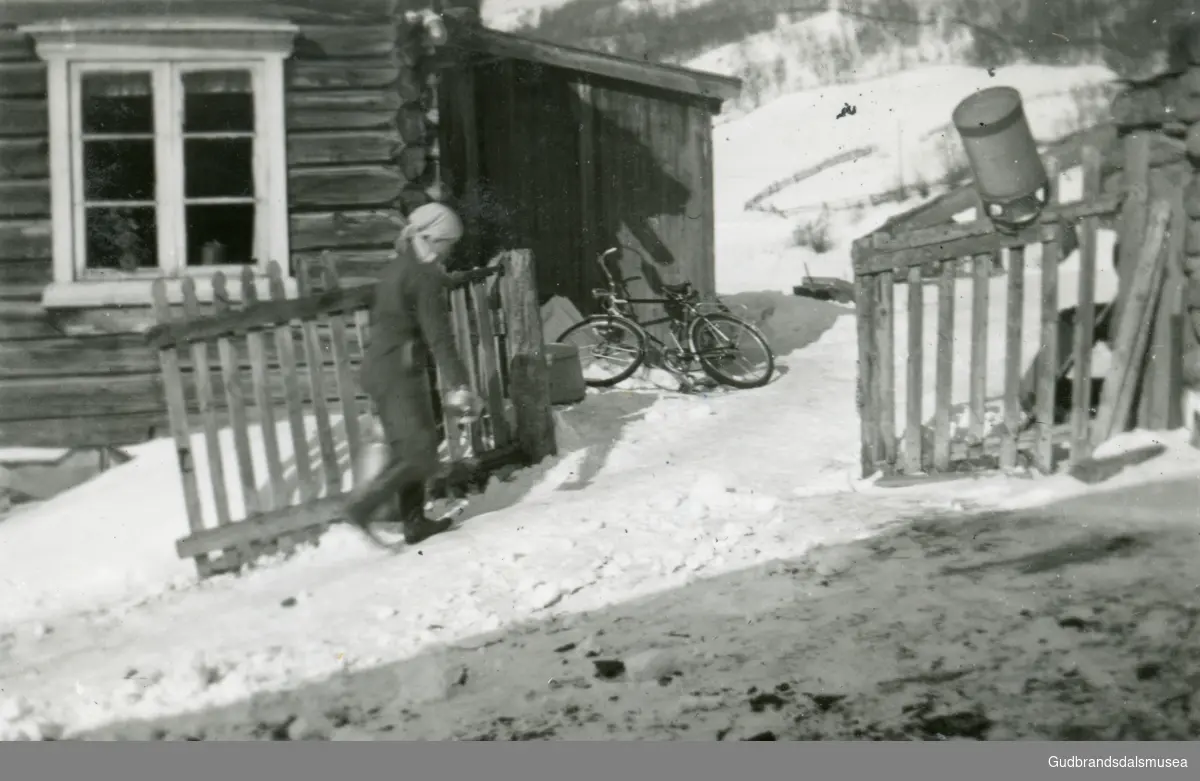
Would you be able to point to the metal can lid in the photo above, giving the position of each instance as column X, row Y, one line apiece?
column 986, row 108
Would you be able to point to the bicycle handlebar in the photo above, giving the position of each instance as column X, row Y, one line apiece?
column 602, row 260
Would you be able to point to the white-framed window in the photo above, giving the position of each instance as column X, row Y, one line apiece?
column 167, row 152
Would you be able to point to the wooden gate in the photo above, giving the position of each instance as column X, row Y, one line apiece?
column 301, row 355
column 1023, row 425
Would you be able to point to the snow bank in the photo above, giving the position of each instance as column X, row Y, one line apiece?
column 896, row 114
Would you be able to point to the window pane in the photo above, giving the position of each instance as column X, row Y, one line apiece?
column 218, row 102
column 229, row 225
column 218, row 168
column 116, row 103
column 123, row 238
column 118, row 170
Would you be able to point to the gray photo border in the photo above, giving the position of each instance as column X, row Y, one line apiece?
column 583, row 761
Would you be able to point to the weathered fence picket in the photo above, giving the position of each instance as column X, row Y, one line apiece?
column 1032, row 425
column 315, row 325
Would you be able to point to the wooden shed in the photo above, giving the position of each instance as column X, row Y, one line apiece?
column 168, row 138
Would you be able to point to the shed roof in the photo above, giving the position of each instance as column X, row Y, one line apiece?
column 667, row 77
column 492, row 42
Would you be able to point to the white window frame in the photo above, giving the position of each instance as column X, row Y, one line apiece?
column 165, row 48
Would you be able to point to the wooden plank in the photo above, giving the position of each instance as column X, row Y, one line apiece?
column 205, row 401
column 472, row 151
column 267, row 526
column 24, row 320
column 1085, row 317
column 330, row 230
column 342, row 110
column 354, row 266
column 264, row 400
column 24, row 239
column 331, row 74
column 69, row 396
column 100, row 355
column 24, row 199
column 176, row 403
column 664, row 77
column 236, row 404
column 324, row 42
column 23, row 79
column 24, row 158
column 286, row 346
column 915, row 377
column 1136, row 186
column 312, row 354
column 868, row 412
column 15, row 46
column 1012, row 357
column 981, row 282
column 96, row 430
column 1043, row 454
column 317, row 513
column 489, row 366
column 353, row 186
column 35, row 272
column 23, row 117
column 587, row 170
column 29, row 293
column 879, row 261
column 1163, row 391
column 347, row 389
column 885, row 378
column 527, row 375
column 943, row 389
column 341, row 147
column 980, row 228
column 1132, row 330
column 266, row 314
column 81, row 432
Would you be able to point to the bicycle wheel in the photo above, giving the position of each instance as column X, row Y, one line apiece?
column 610, row 348
column 721, row 342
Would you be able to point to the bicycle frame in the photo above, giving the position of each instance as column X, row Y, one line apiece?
column 620, row 306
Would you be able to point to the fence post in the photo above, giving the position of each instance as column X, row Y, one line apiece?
column 868, row 412
column 1132, row 335
column 528, row 378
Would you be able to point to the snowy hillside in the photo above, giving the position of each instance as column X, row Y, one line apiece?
column 714, row 545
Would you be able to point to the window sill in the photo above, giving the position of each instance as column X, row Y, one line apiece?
column 99, row 294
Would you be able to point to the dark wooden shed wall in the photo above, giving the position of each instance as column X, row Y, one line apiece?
column 570, row 165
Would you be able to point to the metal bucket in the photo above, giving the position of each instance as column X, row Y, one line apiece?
column 1009, row 173
column 566, row 379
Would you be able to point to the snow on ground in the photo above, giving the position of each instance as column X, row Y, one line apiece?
column 720, row 547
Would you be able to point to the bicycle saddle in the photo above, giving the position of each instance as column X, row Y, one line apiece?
column 681, row 289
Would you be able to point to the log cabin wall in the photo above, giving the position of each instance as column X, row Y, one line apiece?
column 357, row 142
column 569, row 163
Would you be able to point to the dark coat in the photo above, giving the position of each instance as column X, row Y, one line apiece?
column 410, row 322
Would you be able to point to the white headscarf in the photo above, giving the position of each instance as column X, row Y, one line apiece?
column 433, row 221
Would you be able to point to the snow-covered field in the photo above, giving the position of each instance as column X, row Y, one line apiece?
column 723, row 549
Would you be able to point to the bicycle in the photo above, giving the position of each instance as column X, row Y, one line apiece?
column 696, row 334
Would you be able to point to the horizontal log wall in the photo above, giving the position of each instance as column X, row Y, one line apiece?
column 85, row 376
column 24, row 173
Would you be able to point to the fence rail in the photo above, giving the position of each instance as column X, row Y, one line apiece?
column 300, row 356
column 1039, row 409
